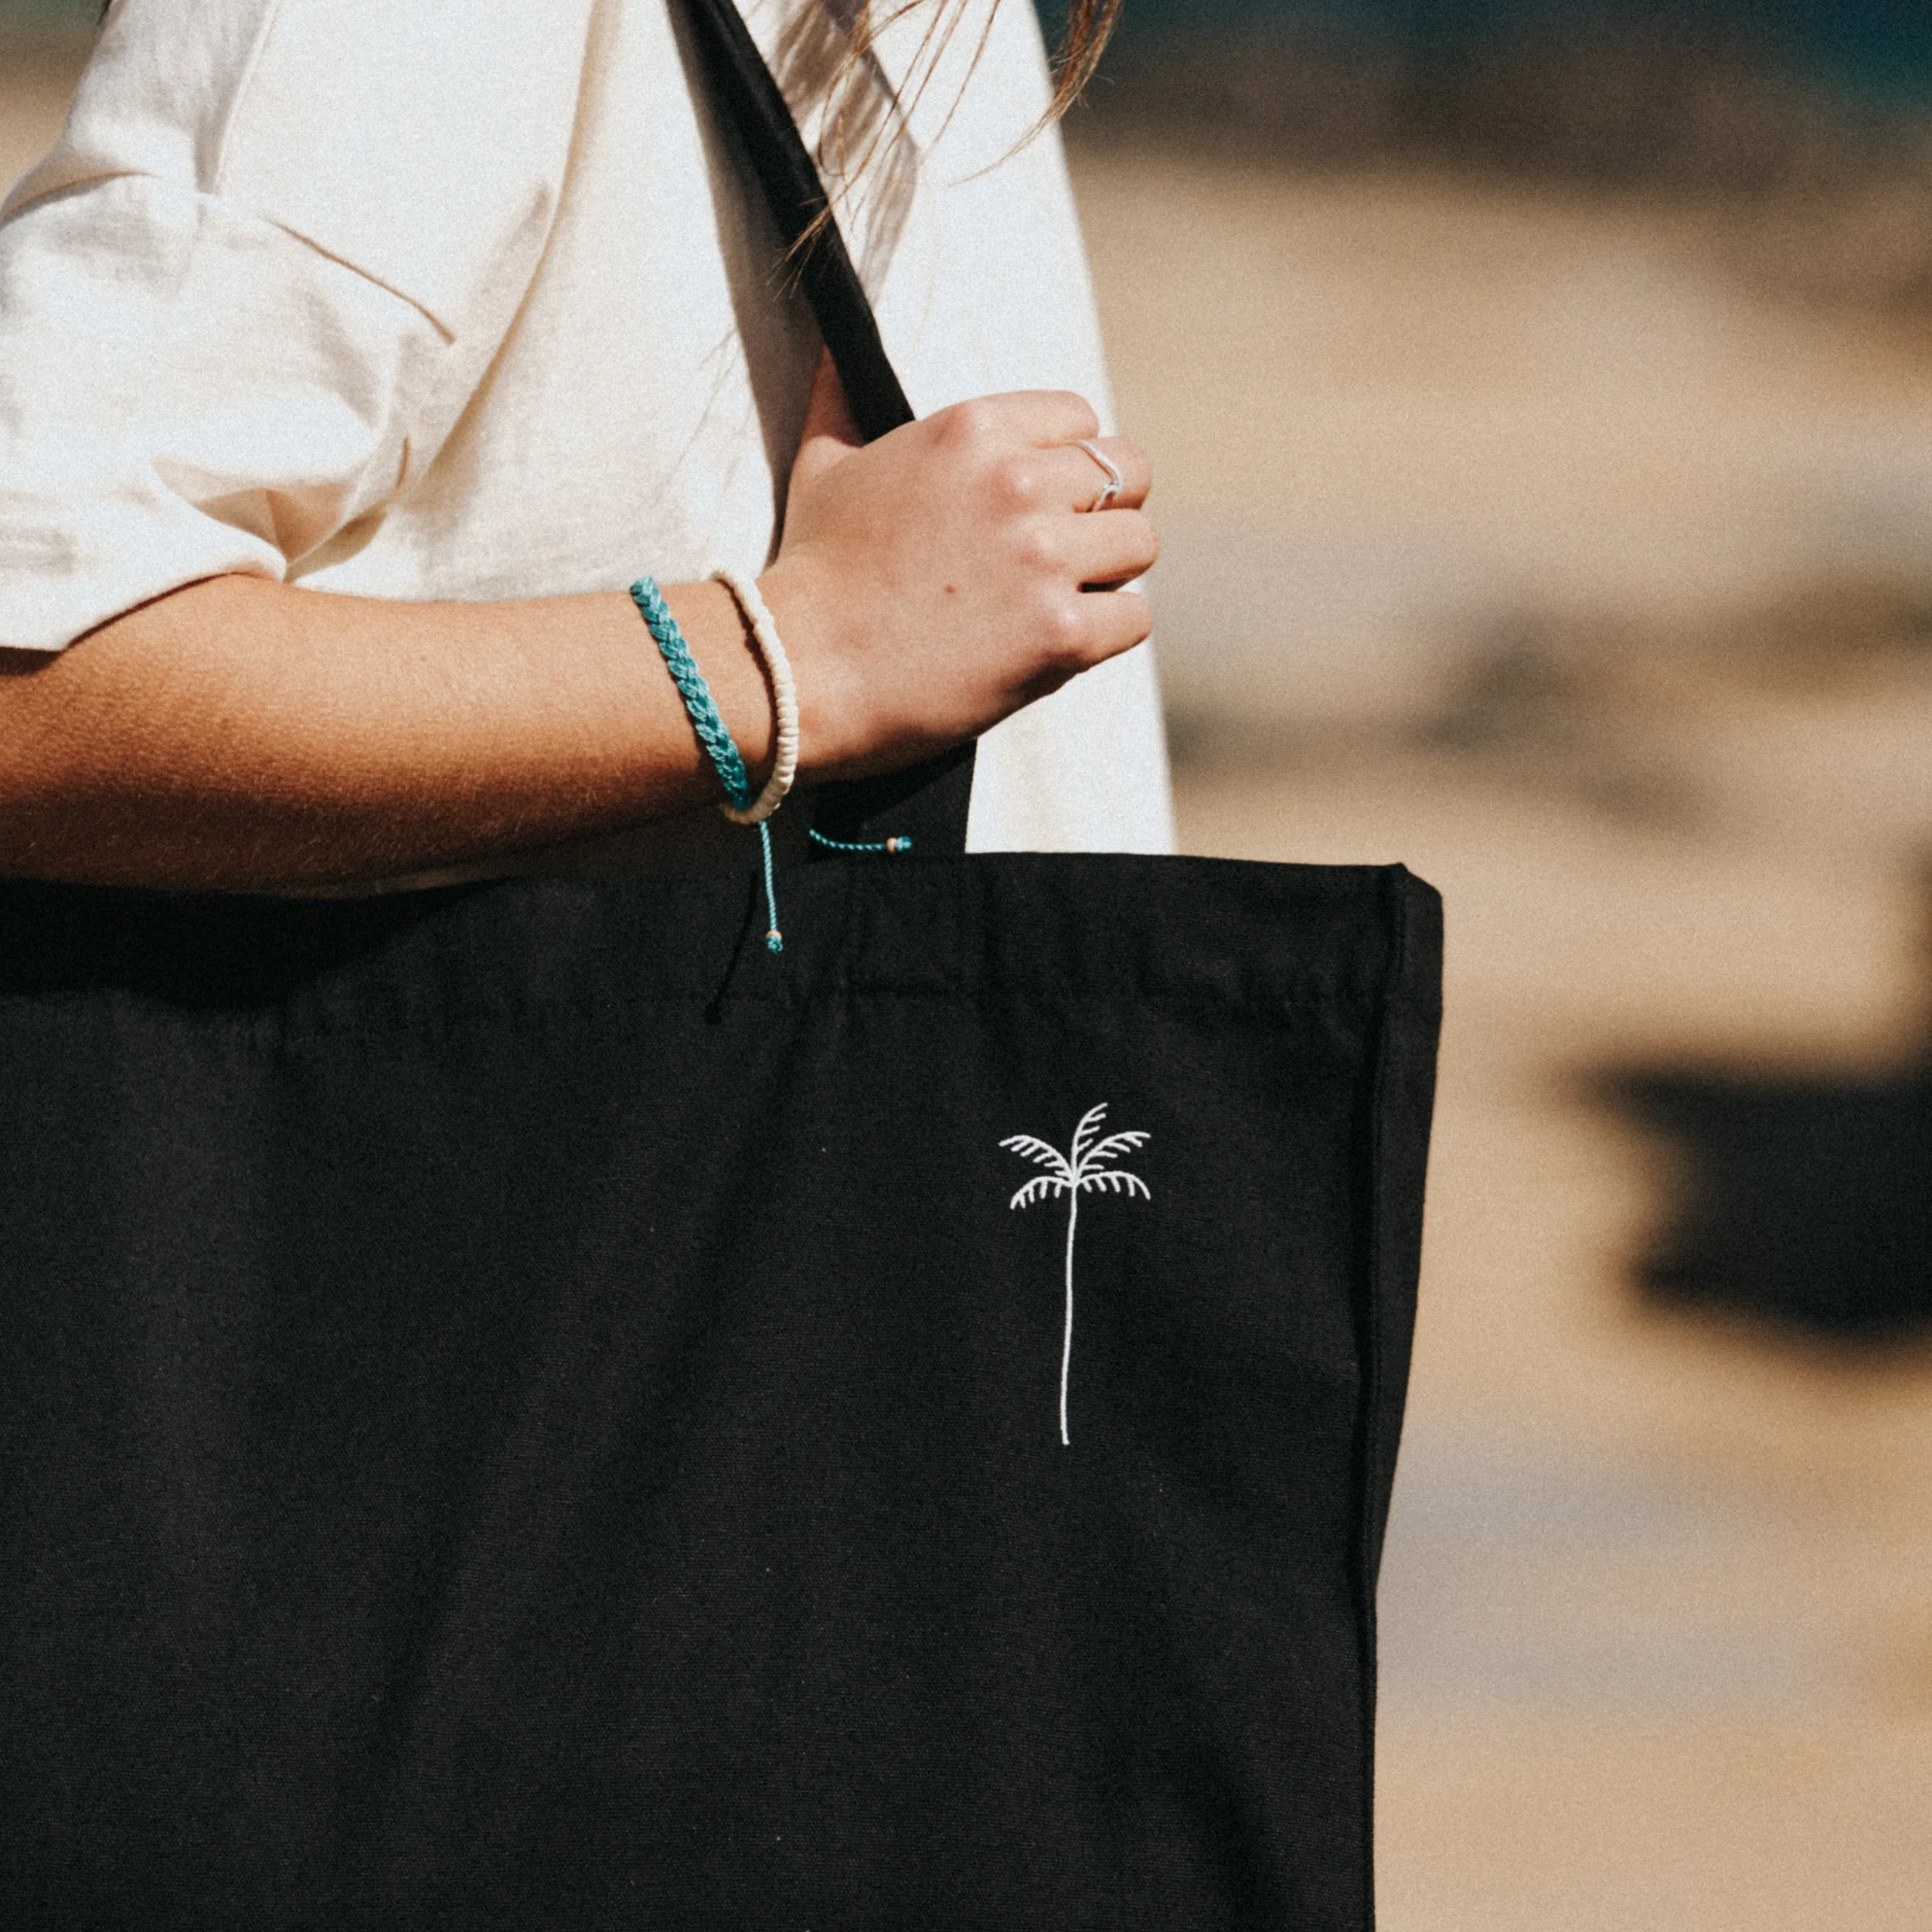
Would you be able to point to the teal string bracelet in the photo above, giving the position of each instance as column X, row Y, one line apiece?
column 712, row 733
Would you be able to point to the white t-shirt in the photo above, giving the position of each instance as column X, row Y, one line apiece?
column 429, row 298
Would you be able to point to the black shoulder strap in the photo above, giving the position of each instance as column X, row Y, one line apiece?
column 928, row 803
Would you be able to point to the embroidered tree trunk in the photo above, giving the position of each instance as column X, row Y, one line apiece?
column 1082, row 1170
column 1066, row 1347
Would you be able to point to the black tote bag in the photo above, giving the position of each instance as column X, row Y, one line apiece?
column 520, row 1409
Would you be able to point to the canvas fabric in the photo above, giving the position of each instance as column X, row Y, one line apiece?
column 520, row 1407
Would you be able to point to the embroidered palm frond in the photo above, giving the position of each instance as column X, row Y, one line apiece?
column 1038, row 1188
column 1032, row 1148
column 1115, row 1180
column 1089, row 1125
column 1114, row 1146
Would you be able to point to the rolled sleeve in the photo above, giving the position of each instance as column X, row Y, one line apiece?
column 185, row 389
column 252, row 289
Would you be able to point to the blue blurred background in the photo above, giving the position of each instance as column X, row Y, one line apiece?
column 1880, row 49
column 1700, row 92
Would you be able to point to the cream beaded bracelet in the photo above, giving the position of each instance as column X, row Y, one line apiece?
column 784, row 700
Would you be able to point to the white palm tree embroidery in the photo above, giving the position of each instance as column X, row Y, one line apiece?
column 1082, row 1170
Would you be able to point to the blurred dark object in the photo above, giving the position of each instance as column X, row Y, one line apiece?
column 1804, row 128
column 1777, row 97
column 40, row 37
column 1642, row 104
column 1810, row 1202
column 30, row 19
column 1613, row 105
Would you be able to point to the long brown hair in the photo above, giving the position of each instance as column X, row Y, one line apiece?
column 827, row 54
column 1090, row 25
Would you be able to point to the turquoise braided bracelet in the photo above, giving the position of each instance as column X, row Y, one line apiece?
column 698, row 700
column 716, row 736
column 712, row 733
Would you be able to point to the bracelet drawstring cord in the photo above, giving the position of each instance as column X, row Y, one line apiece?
column 744, row 807
column 896, row 844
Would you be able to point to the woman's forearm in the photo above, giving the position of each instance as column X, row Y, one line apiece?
column 242, row 732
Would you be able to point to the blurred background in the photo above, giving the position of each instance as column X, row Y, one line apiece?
column 1541, row 393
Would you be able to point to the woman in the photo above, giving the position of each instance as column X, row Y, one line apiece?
column 356, row 355
column 464, row 317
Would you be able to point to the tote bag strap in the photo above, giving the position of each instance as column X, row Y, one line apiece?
column 927, row 803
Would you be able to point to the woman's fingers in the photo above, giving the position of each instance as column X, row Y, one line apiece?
column 1109, row 547
column 1105, row 550
column 1054, row 416
column 1086, row 479
column 1116, row 620
column 1040, row 417
column 1067, row 477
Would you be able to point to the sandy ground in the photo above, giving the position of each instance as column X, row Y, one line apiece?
column 1398, row 417
column 33, row 91
column 1659, row 1605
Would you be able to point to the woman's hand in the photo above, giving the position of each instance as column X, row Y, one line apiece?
column 931, row 582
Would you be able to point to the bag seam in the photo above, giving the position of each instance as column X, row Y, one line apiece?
column 1372, row 1432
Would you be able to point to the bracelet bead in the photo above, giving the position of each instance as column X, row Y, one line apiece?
column 784, row 700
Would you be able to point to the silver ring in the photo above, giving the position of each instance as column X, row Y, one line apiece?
column 1115, row 481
